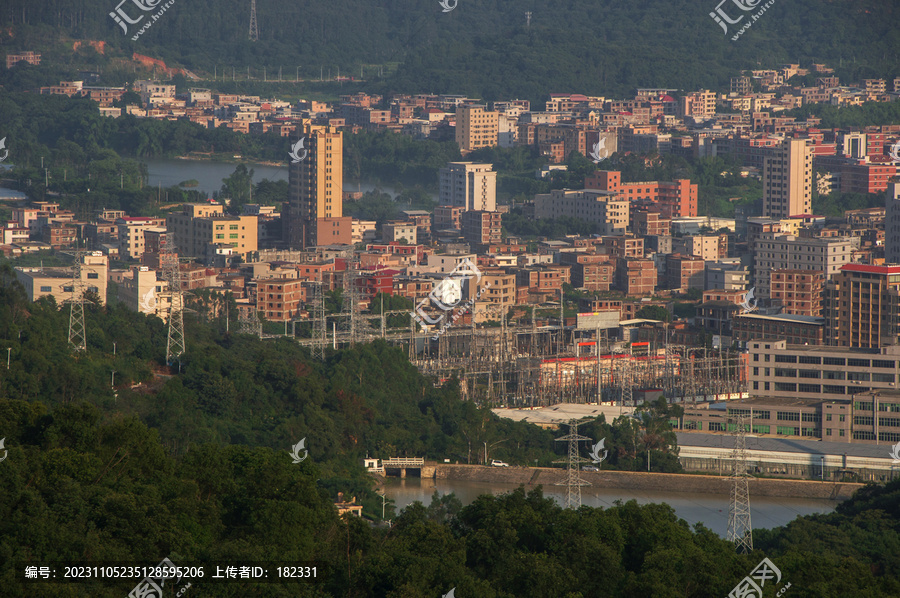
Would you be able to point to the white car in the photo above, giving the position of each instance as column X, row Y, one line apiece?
column 496, row 463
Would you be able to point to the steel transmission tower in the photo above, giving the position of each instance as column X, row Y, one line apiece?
column 319, row 323
column 77, row 336
column 573, row 481
column 254, row 31
column 739, row 529
column 250, row 323
column 172, row 272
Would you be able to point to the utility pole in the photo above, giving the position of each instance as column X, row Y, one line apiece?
column 573, row 481
column 739, row 528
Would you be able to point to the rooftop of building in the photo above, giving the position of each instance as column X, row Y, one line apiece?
column 815, row 447
column 793, row 318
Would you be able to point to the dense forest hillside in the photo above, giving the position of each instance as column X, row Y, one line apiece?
column 485, row 49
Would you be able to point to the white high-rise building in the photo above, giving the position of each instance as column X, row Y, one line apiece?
column 469, row 186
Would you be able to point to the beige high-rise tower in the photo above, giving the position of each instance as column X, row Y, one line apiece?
column 314, row 214
column 787, row 180
column 476, row 127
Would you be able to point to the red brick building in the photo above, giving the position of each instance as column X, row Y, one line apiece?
column 279, row 299
column 636, row 277
column 800, row 291
column 674, row 199
column 684, row 272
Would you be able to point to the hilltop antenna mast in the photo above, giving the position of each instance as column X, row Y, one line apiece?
column 172, row 272
column 254, row 31
column 573, row 481
column 739, row 529
column 77, row 336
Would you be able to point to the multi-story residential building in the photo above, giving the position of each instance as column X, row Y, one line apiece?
column 589, row 271
column 892, row 224
column 497, row 287
column 57, row 282
column 646, row 223
column 863, row 177
column 780, row 369
column 476, row 127
column 131, row 235
column 199, row 228
column 363, row 231
column 794, row 329
column 787, row 252
column 280, row 299
column 699, row 104
column 313, row 214
column 609, row 210
column 624, row 245
column 543, row 278
column 798, row 291
column 481, row 228
column 684, row 272
column 636, row 277
column 468, row 186
column 142, row 291
column 728, row 275
column 447, row 217
column 673, row 199
column 707, row 247
column 59, row 235
column 29, row 57
column 399, row 231
column 862, row 306
column 787, row 180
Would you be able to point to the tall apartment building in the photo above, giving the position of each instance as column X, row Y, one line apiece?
column 892, row 224
column 787, row 180
column 476, row 127
column 608, row 209
column 673, row 199
column 798, row 291
column 787, row 252
column 314, row 212
column 468, row 186
column 481, row 227
column 200, row 227
column 862, row 306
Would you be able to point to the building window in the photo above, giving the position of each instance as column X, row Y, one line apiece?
column 93, row 275
column 46, row 289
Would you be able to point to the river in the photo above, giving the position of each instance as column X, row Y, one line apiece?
column 209, row 175
column 709, row 509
